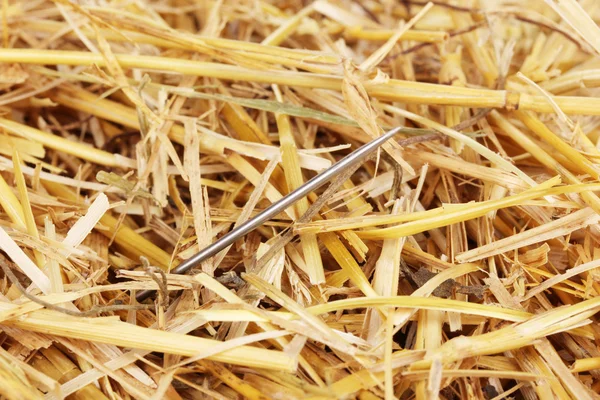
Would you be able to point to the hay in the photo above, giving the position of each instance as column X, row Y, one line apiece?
column 462, row 262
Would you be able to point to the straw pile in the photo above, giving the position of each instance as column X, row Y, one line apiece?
column 461, row 262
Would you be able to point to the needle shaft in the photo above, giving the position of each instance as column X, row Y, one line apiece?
column 278, row 207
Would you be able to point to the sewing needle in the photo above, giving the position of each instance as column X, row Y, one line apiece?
column 274, row 209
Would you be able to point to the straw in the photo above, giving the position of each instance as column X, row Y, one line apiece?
column 459, row 261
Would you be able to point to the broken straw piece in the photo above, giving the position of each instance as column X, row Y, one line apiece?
column 85, row 224
column 12, row 249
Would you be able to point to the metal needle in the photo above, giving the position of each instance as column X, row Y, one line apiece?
column 278, row 207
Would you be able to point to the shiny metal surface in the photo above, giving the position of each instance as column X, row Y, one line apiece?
column 278, row 207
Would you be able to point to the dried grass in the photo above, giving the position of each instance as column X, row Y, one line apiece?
column 459, row 264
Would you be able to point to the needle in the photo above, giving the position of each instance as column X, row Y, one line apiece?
column 278, row 207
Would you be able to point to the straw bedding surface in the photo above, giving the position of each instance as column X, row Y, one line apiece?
column 461, row 262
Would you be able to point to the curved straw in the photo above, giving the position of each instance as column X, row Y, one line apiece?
column 278, row 207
